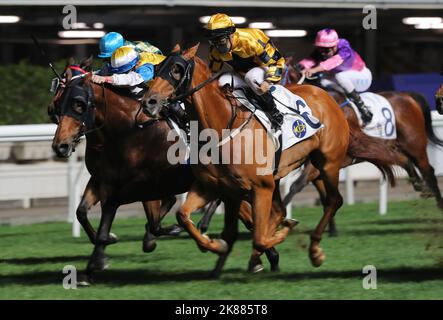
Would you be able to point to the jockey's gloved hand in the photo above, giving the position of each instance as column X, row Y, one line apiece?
column 99, row 79
column 265, row 86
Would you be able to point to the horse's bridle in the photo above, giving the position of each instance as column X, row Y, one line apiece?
column 75, row 92
column 181, row 86
column 186, row 67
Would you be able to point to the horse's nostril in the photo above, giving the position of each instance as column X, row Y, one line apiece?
column 152, row 101
column 63, row 148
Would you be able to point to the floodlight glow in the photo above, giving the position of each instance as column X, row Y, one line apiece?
column 286, row 33
column 262, row 25
column 420, row 20
column 236, row 20
column 9, row 19
column 81, row 34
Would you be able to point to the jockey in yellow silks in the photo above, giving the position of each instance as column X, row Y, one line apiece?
column 251, row 54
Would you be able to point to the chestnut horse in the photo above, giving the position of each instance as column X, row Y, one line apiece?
column 127, row 164
column 414, row 128
column 186, row 75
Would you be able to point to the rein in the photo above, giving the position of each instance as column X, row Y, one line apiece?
column 196, row 88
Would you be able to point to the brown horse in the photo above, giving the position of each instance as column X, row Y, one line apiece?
column 414, row 128
column 234, row 182
column 129, row 164
column 93, row 159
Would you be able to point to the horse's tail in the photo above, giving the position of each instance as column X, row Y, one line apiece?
column 373, row 150
column 426, row 109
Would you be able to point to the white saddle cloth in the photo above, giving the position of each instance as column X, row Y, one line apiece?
column 298, row 122
column 382, row 124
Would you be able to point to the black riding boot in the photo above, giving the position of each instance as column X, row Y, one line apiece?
column 271, row 109
column 366, row 115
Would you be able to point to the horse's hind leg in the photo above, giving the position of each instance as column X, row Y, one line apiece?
column 327, row 186
column 229, row 234
column 414, row 178
column 427, row 171
column 203, row 224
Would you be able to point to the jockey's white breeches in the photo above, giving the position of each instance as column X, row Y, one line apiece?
column 351, row 80
column 253, row 79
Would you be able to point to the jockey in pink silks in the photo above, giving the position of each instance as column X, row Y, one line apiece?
column 342, row 66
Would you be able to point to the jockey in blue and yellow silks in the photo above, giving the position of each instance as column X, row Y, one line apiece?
column 129, row 68
column 251, row 54
column 114, row 40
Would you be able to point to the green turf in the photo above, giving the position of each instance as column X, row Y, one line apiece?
column 405, row 246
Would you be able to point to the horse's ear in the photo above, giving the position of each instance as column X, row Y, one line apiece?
column 86, row 62
column 70, row 61
column 68, row 74
column 176, row 49
column 191, row 52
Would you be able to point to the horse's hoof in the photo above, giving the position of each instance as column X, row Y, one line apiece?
column 317, row 257
column 290, row 223
column 112, row 238
column 203, row 249
column 98, row 265
column 256, row 268
column 84, row 280
column 215, row 274
column 222, row 246
column 149, row 246
column 427, row 195
column 333, row 234
column 175, row 231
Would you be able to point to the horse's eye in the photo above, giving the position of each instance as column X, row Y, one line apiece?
column 176, row 72
column 79, row 107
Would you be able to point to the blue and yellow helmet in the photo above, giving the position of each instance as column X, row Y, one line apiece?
column 124, row 59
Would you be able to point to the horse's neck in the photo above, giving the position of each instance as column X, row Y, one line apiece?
column 113, row 113
column 211, row 106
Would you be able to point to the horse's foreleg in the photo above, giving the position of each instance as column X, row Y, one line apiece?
column 152, row 210
column 195, row 200
column 261, row 212
column 98, row 260
column 155, row 211
column 90, row 198
column 172, row 230
column 255, row 263
column 229, row 233
column 276, row 218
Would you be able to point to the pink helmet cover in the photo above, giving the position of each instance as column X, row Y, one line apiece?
column 326, row 38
